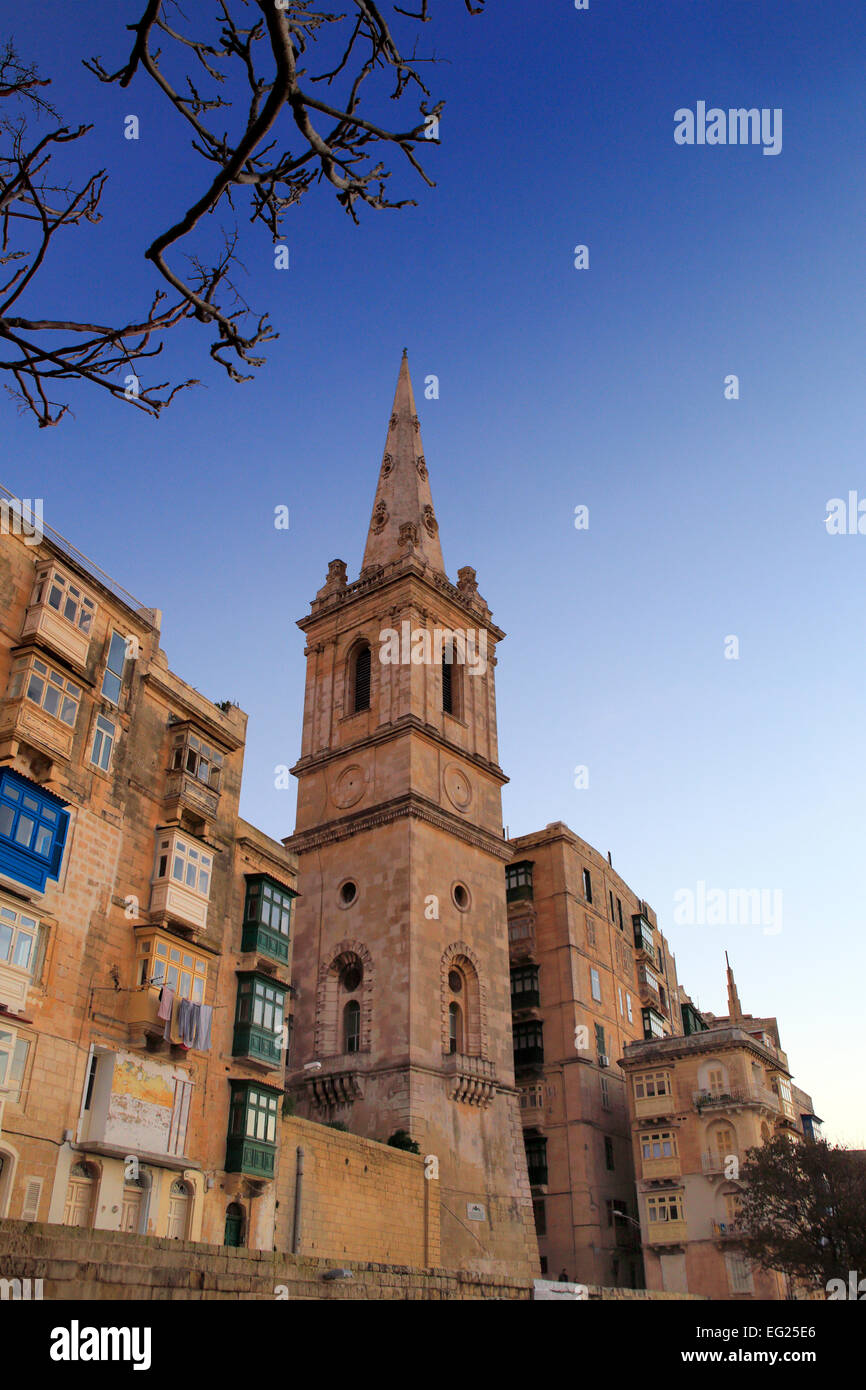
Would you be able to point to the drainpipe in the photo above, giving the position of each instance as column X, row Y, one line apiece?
column 299, row 1186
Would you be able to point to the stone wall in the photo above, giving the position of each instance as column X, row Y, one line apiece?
column 361, row 1200
column 101, row 1265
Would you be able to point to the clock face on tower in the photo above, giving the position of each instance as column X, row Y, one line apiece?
column 458, row 787
column 349, row 786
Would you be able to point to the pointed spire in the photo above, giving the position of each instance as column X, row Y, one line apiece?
column 403, row 515
column 735, row 1013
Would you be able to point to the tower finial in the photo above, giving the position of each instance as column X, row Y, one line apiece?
column 403, row 519
column 735, row 1013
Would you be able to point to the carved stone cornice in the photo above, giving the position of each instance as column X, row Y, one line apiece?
column 410, row 806
column 406, row 723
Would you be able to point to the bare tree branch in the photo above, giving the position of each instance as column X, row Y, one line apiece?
column 246, row 82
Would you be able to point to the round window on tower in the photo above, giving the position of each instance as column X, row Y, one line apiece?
column 460, row 897
column 455, row 981
column 347, row 893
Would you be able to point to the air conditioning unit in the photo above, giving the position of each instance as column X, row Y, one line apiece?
column 603, row 1059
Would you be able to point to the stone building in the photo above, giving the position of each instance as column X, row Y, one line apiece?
column 403, row 1018
column 129, row 883
column 698, row 1102
column 590, row 972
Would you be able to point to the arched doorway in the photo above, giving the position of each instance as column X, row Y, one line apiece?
column 234, row 1232
column 80, row 1195
column 179, row 1204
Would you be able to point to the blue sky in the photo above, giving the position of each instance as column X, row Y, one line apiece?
column 558, row 387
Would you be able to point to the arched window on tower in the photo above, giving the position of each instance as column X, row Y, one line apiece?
column 448, row 680
column 361, row 680
column 352, row 1026
column 455, row 1028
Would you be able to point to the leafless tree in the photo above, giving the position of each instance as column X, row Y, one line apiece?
column 272, row 92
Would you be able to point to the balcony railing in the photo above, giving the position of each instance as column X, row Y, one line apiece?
column 714, row 1162
column 735, row 1095
column 726, row 1230
column 182, row 789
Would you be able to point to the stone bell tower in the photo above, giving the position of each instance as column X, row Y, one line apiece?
column 401, row 945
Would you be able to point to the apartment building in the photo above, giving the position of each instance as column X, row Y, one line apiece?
column 145, row 929
column 590, row 973
column 697, row 1103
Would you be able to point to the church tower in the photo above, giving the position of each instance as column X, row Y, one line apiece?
column 401, row 945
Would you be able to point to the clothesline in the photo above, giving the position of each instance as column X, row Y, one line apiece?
column 187, row 1024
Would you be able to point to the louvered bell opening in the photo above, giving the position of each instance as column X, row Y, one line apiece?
column 362, row 680
column 447, row 683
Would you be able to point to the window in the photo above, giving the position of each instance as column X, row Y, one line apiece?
column 191, row 754
column 610, row 895
column 261, row 1004
column 7, row 1049
column 662, row 1144
column 605, row 1093
column 628, row 1011
column 617, row 1211
column 267, row 917
column 259, row 1018
column 739, row 1273
column 587, row 885
column 33, row 828
column 524, row 987
column 532, row 1097
column 595, row 983
column 361, row 681
column 352, row 1026
column 540, row 1215
column 665, row 1206
column 253, row 1116
column 18, row 933
column 163, row 960
column 716, row 1080
column 536, row 1159
column 643, row 935
column 47, row 688
column 599, row 1039
column 66, row 598
column 590, row 931
column 103, row 742
column 619, row 914
column 653, row 1024
column 17, row 1068
column 455, row 1028
column 652, row 1083
column 518, row 881
column 528, row 1043
column 190, row 865
column 448, row 681
column 619, row 997
column 608, row 1154
column 113, row 678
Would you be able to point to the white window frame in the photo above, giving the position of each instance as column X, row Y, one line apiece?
column 85, row 608
column 22, row 925
column 178, row 850
column 98, row 758
column 628, row 1008
column 28, row 669
column 109, row 671
column 595, row 984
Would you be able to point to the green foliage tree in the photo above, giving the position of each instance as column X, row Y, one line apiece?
column 803, row 1210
